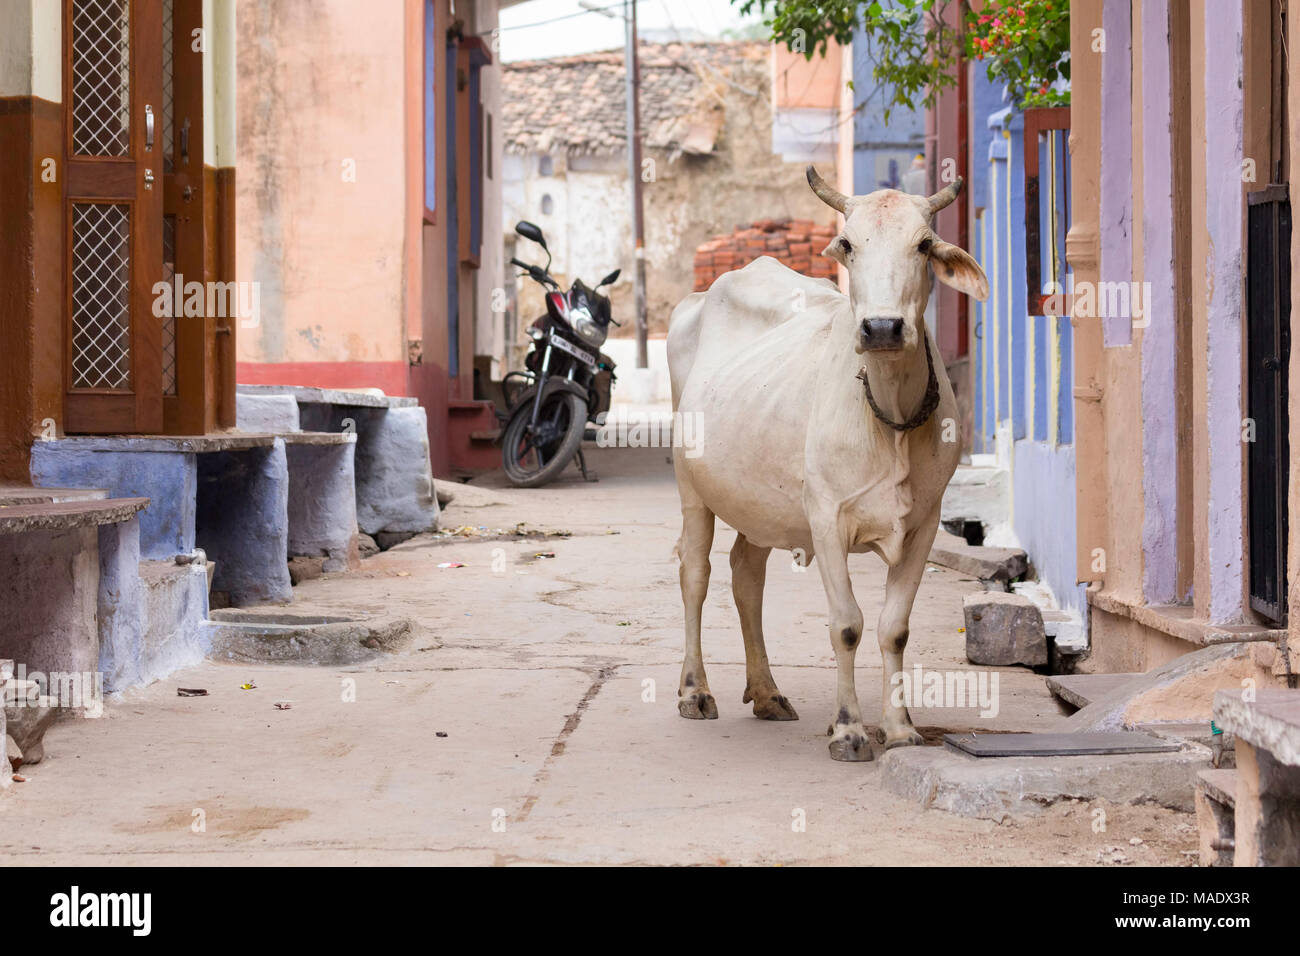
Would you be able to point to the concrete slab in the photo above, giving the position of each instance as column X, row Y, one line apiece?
column 64, row 515
column 29, row 495
column 1001, row 787
column 1220, row 785
column 296, row 638
column 306, row 395
column 1056, row 745
column 1000, row 565
column 189, row 444
column 1180, row 691
column 1271, row 721
column 1080, row 690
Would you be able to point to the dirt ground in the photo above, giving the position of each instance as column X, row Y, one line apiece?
column 533, row 719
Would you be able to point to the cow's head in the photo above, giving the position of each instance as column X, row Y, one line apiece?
column 888, row 247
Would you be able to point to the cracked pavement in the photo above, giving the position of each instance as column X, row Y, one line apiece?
column 554, row 682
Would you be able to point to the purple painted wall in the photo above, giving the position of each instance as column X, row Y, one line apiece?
column 1117, row 169
column 1159, row 408
column 1224, row 215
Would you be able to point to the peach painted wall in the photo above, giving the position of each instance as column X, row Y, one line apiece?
column 322, row 182
column 798, row 83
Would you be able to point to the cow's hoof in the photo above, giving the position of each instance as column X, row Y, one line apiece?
column 699, row 706
column 903, row 737
column 854, row 747
column 775, row 707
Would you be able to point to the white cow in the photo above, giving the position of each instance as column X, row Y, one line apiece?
column 831, row 428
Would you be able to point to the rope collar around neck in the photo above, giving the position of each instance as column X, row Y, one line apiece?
column 928, row 404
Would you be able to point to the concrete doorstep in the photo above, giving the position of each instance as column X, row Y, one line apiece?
column 1001, row 788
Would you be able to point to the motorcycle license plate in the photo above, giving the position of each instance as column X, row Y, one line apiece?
column 581, row 354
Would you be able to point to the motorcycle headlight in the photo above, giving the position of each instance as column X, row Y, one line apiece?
column 535, row 333
column 588, row 329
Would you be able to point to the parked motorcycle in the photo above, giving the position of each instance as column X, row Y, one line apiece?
column 567, row 381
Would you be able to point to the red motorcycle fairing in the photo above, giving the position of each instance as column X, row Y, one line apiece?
column 557, row 306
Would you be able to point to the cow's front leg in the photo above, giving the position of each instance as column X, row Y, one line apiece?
column 748, row 575
column 693, row 697
column 892, row 632
column 848, row 736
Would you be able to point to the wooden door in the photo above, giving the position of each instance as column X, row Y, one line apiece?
column 113, row 201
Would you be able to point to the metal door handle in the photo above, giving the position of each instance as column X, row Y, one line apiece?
column 148, row 127
column 185, row 141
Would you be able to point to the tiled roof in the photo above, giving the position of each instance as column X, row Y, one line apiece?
column 578, row 104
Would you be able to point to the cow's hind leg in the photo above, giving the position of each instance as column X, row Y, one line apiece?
column 693, row 697
column 892, row 632
column 848, row 736
column 748, row 574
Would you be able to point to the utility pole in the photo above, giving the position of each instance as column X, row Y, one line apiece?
column 633, row 72
column 634, row 172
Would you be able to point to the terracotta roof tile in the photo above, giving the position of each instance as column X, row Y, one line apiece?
column 578, row 104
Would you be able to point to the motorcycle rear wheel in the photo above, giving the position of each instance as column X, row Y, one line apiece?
column 531, row 460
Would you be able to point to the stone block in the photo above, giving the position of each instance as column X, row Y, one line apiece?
column 167, row 478
column 1003, row 629
column 323, row 504
column 242, row 523
column 49, row 583
column 266, row 413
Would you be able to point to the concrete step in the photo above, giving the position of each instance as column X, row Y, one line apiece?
column 294, row 637
column 996, row 565
column 167, row 633
column 1080, row 690
column 1220, row 785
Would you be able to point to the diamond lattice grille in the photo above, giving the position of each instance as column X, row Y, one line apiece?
column 168, row 107
column 101, row 77
column 169, row 321
column 101, row 290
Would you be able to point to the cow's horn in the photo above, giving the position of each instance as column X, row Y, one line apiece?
column 945, row 195
column 830, row 196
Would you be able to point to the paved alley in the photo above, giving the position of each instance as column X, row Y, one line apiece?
column 532, row 718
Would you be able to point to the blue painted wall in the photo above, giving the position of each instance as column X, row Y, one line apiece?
column 882, row 152
column 1022, row 373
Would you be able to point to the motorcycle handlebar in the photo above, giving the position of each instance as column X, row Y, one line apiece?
column 537, row 272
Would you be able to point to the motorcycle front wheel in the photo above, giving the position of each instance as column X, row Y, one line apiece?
column 533, row 456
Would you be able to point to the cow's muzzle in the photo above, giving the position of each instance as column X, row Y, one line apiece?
column 881, row 335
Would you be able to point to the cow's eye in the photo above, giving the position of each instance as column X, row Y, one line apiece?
column 845, row 246
column 924, row 247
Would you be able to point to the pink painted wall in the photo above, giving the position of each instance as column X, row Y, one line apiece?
column 322, row 182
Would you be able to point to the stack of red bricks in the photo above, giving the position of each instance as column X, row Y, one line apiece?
column 796, row 243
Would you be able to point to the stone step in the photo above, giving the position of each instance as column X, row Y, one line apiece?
column 998, row 565
column 1220, row 785
column 1080, row 690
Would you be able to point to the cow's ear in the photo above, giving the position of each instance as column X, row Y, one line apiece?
column 956, row 267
